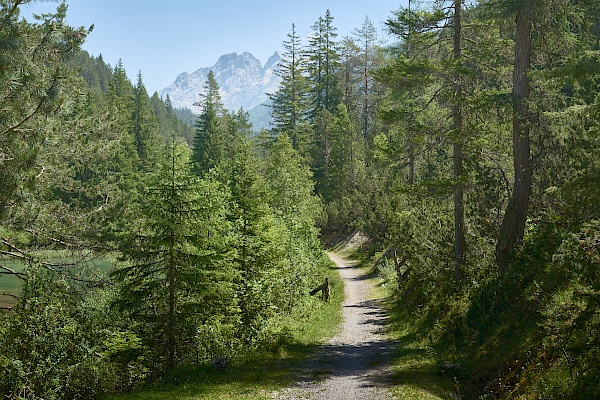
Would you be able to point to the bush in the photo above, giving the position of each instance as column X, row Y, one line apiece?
column 50, row 347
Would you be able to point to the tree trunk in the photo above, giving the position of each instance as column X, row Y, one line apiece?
column 411, row 162
column 171, row 276
column 459, row 206
column 515, row 217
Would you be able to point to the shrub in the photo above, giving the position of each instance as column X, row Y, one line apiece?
column 50, row 347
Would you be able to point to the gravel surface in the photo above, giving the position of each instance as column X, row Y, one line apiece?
column 353, row 364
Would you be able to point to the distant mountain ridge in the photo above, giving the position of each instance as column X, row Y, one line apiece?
column 243, row 82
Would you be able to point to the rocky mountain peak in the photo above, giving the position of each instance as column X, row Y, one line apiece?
column 243, row 82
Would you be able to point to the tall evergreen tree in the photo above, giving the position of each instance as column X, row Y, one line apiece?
column 350, row 72
column 209, row 142
column 323, row 66
column 120, row 89
column 238, row 130
column 175, row 277
column 290, row 102
column 144, row 127
column 366, row 39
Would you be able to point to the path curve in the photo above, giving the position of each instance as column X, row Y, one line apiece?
column 354, row 361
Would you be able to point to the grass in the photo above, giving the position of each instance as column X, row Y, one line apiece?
column 257, row 377
column 414, row 372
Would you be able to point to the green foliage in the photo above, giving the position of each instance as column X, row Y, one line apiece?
column 51, row 343
column 177, row 274
column 34, row 82
column 286, row 342
column 218, row 249
column 209, row 141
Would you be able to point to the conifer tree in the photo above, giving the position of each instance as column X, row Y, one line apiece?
column 323, row 66
column 238, row 130
column 366, row 40
column 294, row 202
column 515, row 216
column 350, row 73
column 120, row 89
column 209, row 142
column 175, row 277
column 290, row 102
column 34, row 84
column 346, row 155
column 259, row 241
column 144, row 127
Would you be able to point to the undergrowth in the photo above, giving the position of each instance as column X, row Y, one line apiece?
column 532, row 333
column 261, row 372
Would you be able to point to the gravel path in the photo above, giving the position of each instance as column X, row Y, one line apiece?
column 352, row 365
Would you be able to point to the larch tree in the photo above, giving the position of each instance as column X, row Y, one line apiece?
column 515, row 216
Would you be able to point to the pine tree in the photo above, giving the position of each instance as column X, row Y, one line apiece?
column 515, row 217
column 144, row 127
column 34, row 85
column 175, row 277
column 290, row 102
column 323, row 66
column 209, row 142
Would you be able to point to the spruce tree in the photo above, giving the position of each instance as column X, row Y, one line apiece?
column 290, row 102
column 144, row 127
column 367, row 42
column 323, row 66
column 209, row 142
column 174, row 277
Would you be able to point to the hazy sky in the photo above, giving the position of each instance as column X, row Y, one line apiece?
column 164, row 38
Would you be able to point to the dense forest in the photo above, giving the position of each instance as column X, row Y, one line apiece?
column 466, row 151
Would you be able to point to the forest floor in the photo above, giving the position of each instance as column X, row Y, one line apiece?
column 353, row 364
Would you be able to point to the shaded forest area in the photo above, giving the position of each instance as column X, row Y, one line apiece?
column 467, row 152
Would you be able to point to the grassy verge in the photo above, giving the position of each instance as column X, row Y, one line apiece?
column 414, row 373
column 313, row 322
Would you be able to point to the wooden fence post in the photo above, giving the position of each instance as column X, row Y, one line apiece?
column 324, row 289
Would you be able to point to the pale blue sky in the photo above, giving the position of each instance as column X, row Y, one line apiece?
column 165, row 38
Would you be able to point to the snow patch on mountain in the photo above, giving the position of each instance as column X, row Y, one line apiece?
column 243, row 82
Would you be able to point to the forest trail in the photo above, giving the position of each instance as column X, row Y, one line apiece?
column 352, row 365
